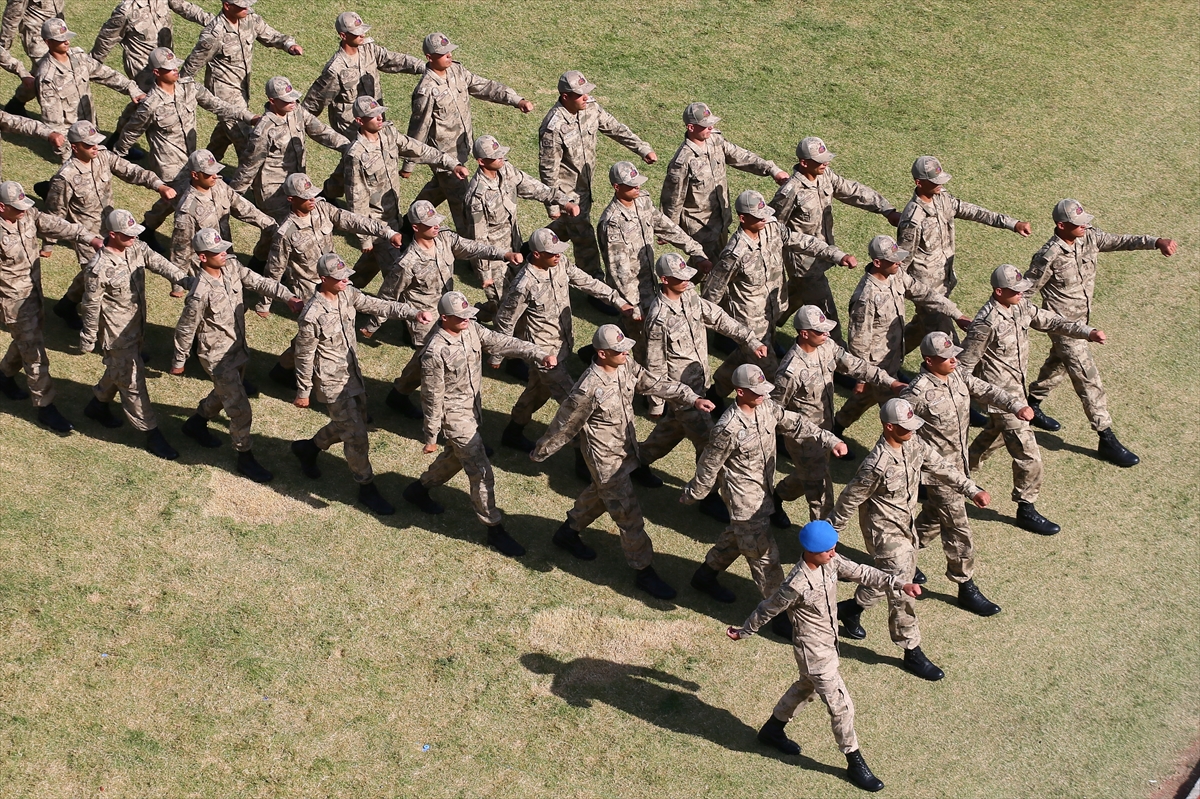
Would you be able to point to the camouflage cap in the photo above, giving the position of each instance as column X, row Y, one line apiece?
column 209, row 240
column 55, row 30
column 488, row 147
column 332, row 266
column 939, row 345
column 455, row 303
column 280, row 88
column 546, row 240
column 624, row 173
column 898, row 411
column 366, row 107
column 241, row 3
column 422, row 212
column 751, row 378
column 205, row 162
column 122, row 221
column 699, row 114
column 12, row 194
column 752, row 203
column 573, row 82
column 671, row 264
column 929, row 168
column 164, row 58
column 610, row 337
column 885, row 248
column 810, row 317
column 1006, row 276
column 1071, row 211
column 813, row 149
column 352, row 23
column 84, row 132
column 299, row 185
column 438, row 44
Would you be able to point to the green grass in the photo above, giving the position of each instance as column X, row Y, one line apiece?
column 170, row 629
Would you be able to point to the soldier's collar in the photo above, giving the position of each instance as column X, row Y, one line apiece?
column 805, row 182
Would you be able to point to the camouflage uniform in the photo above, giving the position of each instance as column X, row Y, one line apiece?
column 141, row 26
column 344, row 78
column 11, row 123
column 809, row 597
column 747, row 281
column 567, row 162
column 600, row 410
column 1066, row 276
column 884, row 490
column 742, row 452
column 64, row 89
column 695, row 192
column 327, row 367
column 998, row 344
column 214, row 318
column 27, row 16
column 114, row 317
column 197, row 209
column 804, row 384
column 945, row 405
column 451, row 381
column 21, row 296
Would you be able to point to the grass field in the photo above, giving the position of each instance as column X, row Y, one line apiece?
column 171, row 629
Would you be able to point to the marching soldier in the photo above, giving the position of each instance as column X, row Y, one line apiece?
column 884, row 491
column 808, row 595
column 114, row 318
column 21, row 298
column 926, row 231
column 567, row 160
column 804, row 204
column 327, row 368
column 741, row 456
column 1064, row 270
column 451, row 381
column 441, row 117
column 226, row 51
column 26, row 91
column 695, row 192
column 214, row 315
column 998, row 345
column 27, row 18
column 15, row 123
column 600, row 410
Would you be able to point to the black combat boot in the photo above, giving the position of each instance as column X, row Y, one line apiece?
column 1040, row 419
column 418, row 495
column 65, row 310
column 306, row 451
column 979, row 419
column 781, row 625
column 717, row 400
column 249, row 466
column 49, row 416
column 514, row 437
column 845, row 381
column 499, row 539
column 602, row 306
column 157, row 446
column 17, row 108
column 712, row 505
column 772, row 735
column 517, row 369
column 649, row 581
column 282, row 375
column 1111, row 450
column 849, row 614
column 250, row 389
column 919, row 577
column 779, row 517
column 1029, row 519
column 581, row 468
column 10, row 389
column 916, row 662
column 568, row 539
column 368, row 494
column 101, row 412
column 705, row 580
column 196, row 428
column 860, row 774
column 972, row 599
column 403, row 404
column 643, row 476
column 151, row 239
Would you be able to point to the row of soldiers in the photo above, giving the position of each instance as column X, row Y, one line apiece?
column 771, row 269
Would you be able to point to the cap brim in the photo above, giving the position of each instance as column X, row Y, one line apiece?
column 1023, row 286
column 65, row 37
column 215, row 169
column 824, row 327
column 553, row 249
column 766, row 212
column 822, row 158
column 915, row 423
column 134, row 230
column 470, row 312
column 1085, row 220
column 899, row 256
column 21, row 205
column 436, row 219
column 762, row 389
column 586, row 88
column 624, row 345
column 951, row 352
column 225, row 247
column 682, row 273
column 311, row 194
column 359, row 31
column 634, row 181
column 942, row 178
column 341, row 274
column 707, row 123
column 97, row 139
column 290, row 97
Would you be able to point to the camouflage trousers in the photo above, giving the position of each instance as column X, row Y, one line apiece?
column 618, row 499
column 389, row 290
column 232, row 132
column 125, row 374
column 1073, row 357
column 543, row 385
column 500, row 273
column 712, row 238
column 229, row 394
column 348, row 424
column 464, row 452
column 85, row 252
column 23, row 319
column 944, row 514
column 446, row 187
column 809, row 478
column 272, row 202
column 675, row 425
column 380, row 258
column 581, row 232
column 1018, row 437
column 752, row 540
column 859, row 402
column 900, row 561
column 723, row 377
column 812, row 288
column 829, row 686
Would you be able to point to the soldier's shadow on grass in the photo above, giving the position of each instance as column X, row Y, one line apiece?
column 1054, row 443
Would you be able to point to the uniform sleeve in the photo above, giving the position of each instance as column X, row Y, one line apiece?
column 717, row 282
column 861, row 370
column 190, row 11
column 226, row 112
column 908, row 237
column 50, row 225
column 107, row 76
column 943, row 472
column 797, row 428
column 508, row 347
column 715, row 318
column 90, row 306
column 581, row 280
column 433, row 393
column 779, row 602
column 356, row 223
column 709, row 465
column 394, row 62
column 621, row 134
column 851, row 192
column 565, row 425
column 810, row 245
column 1041, row 269
column 663, row 387
column 322, row 90
column 11, row 123
column 305, row 353
column 416, row 151
column 12, row 64
column 468, row 249
column 56, row 208
column 321, row 133
column 512, row 308
column 984, row 392
column 181, row 237
column 1110, row 242
column 656, row 356
column 975, row 345
column 133, row 174
column 51, row 103
column 530, row 188
column 248, row 212
column 278, row 258
column 747, row 161
column 621, row 264
column 674, row 188
column 271, row 37
column 264, row 286
column 252, row 162
column 549, row 160
column 189, row 323
column 784, row 200
column 162, row 267
column 491, row 90
column 860, row 332
column 385, row 308
column 856, row 492
column 110, row 33
column 420, row 122
column 977, row 213
column 866, row 575
column 671, row 233
column 135, row 127
column 1050, row 322
column 206, row 47
column 928, row 299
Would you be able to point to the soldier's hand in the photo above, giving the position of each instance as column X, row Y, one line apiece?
column 650, row 157
column 362, row 331
column 425, row 317
column 295, row 49
column 912, row 589
column 703, row 405
column 489, row 282
column 897, row 386
column 1022, row 229
column 396, row 240
column 849, row 262
column 893, row 217
column 655, row 417
column 860, row 387
column 554, row 214
column 429, row 449
column 166, row 192
column 1097, row 336
column 1165, row 246
column 982, row 499
column 97, row 244
column 188, row 282
column 300, row 402
column 406, row 175
column 571, row 208
column 760, row 351
column 178, row 370
column 514, row 257
column 736, row 633
column 781, row 177
column 56, row 139
column 702, row 265
column 47, row 252
column 29, row 83
column 1025, row 414
column 139, row 98
column 627, row 310
column 296, row 304
column 254, row 120
column 524, row 106
column 549, row 362
column 263, row 314
column 461, row 172
column 839, row 449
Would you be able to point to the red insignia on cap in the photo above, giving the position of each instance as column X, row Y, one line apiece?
column 20, row 195
column 444, row 40
column 633, row 173
column 1079, row 209
column 620, row 336
column 553, row 239
column 820, row 148
column 820, row 317
column 581, row 81
column 910, row 413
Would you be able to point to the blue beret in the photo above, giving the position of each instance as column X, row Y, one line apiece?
column 818, row 536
